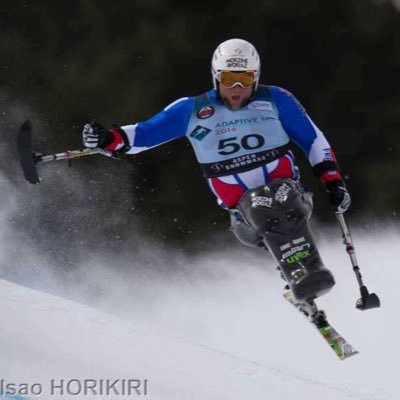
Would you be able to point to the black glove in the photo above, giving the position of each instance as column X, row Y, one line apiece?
column 339, row 197
column 95, row 135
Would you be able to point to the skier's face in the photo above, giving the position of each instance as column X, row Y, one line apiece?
column 236, row 97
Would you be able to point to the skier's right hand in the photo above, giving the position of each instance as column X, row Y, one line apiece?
column 339, row 197
column 96, row 135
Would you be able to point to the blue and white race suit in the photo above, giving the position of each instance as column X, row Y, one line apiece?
column 239, row 149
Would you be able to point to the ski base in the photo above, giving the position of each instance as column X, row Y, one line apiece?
column 26, row 156
column 338, row 344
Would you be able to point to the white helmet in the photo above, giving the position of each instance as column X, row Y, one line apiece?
column 235, row 55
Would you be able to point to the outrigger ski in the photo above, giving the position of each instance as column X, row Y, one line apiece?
column 29, row 159
column 317, row 317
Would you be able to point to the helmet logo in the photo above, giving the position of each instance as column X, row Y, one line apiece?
column 205, row 112
column 237, row 62
column 238, row 51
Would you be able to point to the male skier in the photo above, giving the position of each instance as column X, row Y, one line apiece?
column 240, row 132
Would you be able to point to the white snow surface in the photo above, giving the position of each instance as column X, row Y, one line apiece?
column 222, row 333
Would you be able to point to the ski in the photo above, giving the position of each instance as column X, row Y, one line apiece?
column 27, row 158
column 338, row 344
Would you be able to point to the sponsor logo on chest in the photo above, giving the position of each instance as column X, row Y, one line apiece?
column 205, row 112
column 200, row 132
column 241, row 121
column 260, row 105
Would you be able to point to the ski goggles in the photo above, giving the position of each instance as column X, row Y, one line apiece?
column 230, row 79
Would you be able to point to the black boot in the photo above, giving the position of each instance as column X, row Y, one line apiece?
column 280, row 212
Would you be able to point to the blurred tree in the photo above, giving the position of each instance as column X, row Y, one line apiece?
column 122, row 61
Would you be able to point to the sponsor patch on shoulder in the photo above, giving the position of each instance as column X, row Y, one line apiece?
column 205, row 112
column 260, row 105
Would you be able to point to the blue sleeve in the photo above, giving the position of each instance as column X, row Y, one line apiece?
column 169, row 124
column 301, row 129
column 294, row 119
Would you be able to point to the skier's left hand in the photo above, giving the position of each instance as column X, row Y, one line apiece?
column 339, row 197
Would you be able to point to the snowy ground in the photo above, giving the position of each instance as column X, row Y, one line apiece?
column 226, row 333
column 215, row 326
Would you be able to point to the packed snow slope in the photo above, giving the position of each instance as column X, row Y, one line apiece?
column 223, row 333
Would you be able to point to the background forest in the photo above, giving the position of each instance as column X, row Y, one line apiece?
column 64, row 63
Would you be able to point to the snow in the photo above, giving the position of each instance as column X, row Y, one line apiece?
column 226, row 333
column 207, row 326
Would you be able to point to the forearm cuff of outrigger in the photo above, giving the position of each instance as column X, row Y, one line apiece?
column 124, row 136
column 117, row 141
